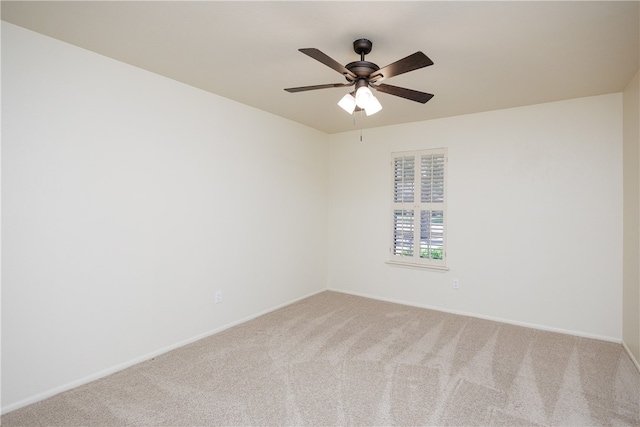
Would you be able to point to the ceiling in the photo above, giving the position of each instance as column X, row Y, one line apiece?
column 487, row 55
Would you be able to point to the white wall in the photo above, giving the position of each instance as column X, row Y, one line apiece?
column 535, row 215
column 631, row 240
column 128, row 200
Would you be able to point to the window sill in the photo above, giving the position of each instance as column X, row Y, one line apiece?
column 417, row 266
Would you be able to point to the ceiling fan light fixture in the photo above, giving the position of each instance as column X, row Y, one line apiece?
column 348, row 103
column 363, row 97
column 373, row 107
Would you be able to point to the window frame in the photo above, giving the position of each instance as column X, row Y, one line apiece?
column 418, row 206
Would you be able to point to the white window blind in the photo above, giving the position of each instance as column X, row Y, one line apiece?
column 419, row 207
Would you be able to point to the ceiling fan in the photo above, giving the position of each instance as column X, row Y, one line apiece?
column 364, row 74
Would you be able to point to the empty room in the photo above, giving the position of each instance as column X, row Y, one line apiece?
column 320, row 213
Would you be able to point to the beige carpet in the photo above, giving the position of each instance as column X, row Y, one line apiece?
column 336, row 359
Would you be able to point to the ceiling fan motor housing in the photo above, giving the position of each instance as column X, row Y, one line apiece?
column 362, row 68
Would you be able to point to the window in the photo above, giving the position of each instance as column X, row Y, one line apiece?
column 419, row 208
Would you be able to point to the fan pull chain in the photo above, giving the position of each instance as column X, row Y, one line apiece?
column 356, row 114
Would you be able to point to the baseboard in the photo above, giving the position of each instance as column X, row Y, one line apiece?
column 480, row 316
column 631, row 356
column 112, row 370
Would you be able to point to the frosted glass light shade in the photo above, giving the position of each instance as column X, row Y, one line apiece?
column 348, row 103
column 373, row 107
column 363, row 97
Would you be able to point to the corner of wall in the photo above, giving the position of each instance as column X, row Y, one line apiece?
column 631, row 220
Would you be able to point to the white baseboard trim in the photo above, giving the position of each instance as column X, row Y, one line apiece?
column 481, row 316
column 112, row 370
column 631, row 356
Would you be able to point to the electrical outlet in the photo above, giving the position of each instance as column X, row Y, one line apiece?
column 218, row 296
column 456, row 284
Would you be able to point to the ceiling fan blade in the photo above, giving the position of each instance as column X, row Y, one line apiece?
column 404, row 65
column 326, row 60
column 410, row 94
column 327, row 86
